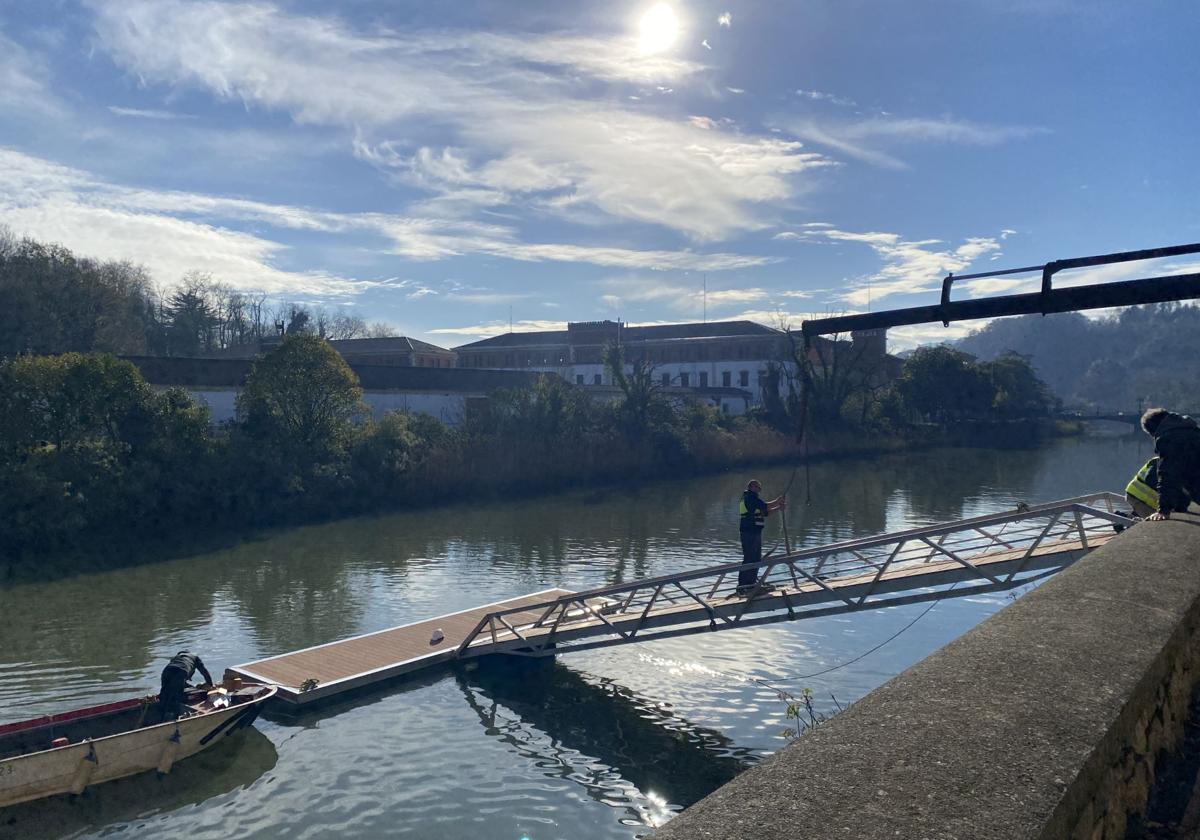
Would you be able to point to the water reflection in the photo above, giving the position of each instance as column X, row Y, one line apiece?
column 363, row 768
column 625, row 750
column 234, row 763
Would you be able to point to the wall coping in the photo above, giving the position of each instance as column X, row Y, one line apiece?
column 1012, row 730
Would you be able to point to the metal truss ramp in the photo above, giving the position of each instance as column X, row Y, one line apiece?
column 982, row 554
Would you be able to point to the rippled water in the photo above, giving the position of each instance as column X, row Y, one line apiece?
column 602, row 744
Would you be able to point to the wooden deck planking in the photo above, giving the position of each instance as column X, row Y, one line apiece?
column 360, row 660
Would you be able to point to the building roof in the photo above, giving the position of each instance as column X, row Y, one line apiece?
column 404, row 344
column 231, row 373
column 656, row 332
column 344, row 346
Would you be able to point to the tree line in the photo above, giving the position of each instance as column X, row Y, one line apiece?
column 93, row 461
column 1142, row 355
column 52, row 301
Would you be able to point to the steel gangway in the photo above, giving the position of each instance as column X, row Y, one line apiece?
column 981, row 554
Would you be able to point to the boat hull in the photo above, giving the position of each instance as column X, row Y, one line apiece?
column 75, row 767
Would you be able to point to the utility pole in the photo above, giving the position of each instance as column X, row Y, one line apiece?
column 705, row 296
column 510, row 318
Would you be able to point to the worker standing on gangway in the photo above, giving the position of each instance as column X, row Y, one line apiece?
column 753, row 513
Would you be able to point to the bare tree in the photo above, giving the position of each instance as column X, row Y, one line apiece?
column 381, row 330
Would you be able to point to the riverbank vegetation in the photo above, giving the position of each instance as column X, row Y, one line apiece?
column 94, row 463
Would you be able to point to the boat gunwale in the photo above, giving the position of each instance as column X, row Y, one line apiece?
column 271, row 690
column 73, row 715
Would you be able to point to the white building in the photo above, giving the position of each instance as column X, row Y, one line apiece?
column 725, row 362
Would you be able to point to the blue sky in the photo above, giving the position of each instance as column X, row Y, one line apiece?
column 436, row 166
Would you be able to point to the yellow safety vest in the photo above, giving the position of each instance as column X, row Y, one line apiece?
column 744, row 513
column 1140, row 488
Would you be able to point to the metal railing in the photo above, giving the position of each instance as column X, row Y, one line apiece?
column 1049, row 299
column 987, row 553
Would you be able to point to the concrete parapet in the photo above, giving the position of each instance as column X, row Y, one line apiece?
column 1042, row 722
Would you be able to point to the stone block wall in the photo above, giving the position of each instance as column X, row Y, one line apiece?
column 1045, row 721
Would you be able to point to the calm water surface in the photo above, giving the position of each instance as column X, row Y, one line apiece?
column 603, row 744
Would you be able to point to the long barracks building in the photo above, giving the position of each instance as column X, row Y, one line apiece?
column 704, row 357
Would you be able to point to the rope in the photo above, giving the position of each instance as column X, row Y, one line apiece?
column 890, row 638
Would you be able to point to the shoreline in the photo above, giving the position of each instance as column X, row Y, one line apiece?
column 782, row 452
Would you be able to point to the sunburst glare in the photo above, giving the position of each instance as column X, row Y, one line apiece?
column 658, row 28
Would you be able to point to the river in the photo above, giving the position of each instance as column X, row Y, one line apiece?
column 602, row 744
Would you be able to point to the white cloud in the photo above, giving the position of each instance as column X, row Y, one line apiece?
column 24, row 81
column 685, row 299
column 530, row 133
column 725, row 19
column 148, row 113
column 488, row 298
column 861, row 139
column 821, row 96
column 906, row 338
column 490, row 329
column 998, row 286
column 910, row 267
column 174, row 232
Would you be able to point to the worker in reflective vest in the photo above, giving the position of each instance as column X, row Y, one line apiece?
column 753, row 512
column 1142, row 490
column 1177, row 445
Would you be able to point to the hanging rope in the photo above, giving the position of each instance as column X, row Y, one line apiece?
column 890, row 638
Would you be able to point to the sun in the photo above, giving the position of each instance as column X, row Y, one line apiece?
column 658, row 28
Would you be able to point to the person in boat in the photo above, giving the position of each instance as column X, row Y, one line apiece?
column 752, row 513
column 175, row 679
column 1177, row 445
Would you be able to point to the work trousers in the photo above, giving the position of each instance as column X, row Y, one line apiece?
column 170, row 695
column 751, row 553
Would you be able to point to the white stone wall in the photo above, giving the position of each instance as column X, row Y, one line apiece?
column 754, row 368
column 447, row 407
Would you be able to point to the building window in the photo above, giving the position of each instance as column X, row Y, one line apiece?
column 579, row 379
column 726, row 378
column 684, row 380
column 666, row 380
column 703, row 379
column 597, row 379
column 744, row 378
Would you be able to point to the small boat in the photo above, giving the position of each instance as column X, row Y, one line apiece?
column 71, row 751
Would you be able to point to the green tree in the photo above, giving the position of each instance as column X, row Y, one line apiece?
column 941, row 383
column 642, row 411
column 550, row 409
column 301, row 400
column 1017, row 391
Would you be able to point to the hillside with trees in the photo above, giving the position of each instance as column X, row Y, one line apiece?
column 53, row 301
column 1142, row 355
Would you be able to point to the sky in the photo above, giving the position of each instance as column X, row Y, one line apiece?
column 447, row 168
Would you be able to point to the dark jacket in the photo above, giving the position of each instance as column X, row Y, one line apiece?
column 1177, row 444
column 752, row 512
column 188, row 663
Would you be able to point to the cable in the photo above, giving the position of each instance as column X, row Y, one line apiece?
column 893, row 637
